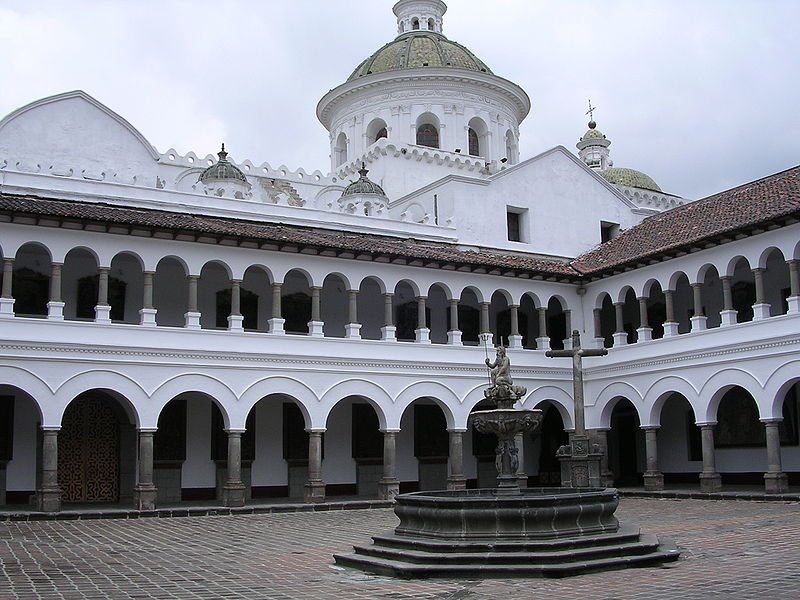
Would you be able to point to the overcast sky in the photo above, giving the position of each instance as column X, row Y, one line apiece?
column 702, row 95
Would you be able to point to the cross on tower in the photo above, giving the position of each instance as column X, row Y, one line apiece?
column 591, row 110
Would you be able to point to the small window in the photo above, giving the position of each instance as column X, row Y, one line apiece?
column 515, row 219
column 428, row 135
column 415, row 24
column 381, row 134
column 608, row 231
column 474, row 143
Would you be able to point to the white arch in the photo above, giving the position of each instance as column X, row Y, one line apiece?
column 441, row 394
column 201, row 383
column 558, row 397
column 714, row 389
column 378, row 397
column 658, row 394
column 610, row 395
column 303, row 395
column 119, row 384
column 776, row 387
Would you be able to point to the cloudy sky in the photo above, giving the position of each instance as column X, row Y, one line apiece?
column 700, row 94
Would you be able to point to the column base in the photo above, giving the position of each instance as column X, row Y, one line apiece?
column 794, row 305
column 653, row 481
column 457, row 483
column 710, row 482
column 388, row 333
column 55, row 311
column 147, row 317
column 761, row 312
column 48, row 500
column 315, row 328
column 388, row 488
column 6, row 308
column 102, row 314
column 233, row 494
column 314, row 492
column 698, row 323
column 776, row 483
column 454, row 338
column 352, row 331
column 276, row 326
column 144, row 497
column 235, row 323
column 487, row 339
column 423, row 335
column 522, row 481
column 728, row 317
column 567, row 343
column 515, row 341
column 191, row 320
column 620, row 339
column 644, row 334
column 543, row 343
column 670, row 329
column 599, row 342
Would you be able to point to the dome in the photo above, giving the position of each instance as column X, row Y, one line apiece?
column 418, row 49
column 363, row 185
column 593, row 133
column 222, row 170
column 631, row 178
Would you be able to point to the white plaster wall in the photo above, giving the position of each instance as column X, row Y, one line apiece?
column 339, row 465
column 269, row 467
column 21, row 470
column 199, row 471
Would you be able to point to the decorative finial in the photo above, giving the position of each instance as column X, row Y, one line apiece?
column 590, row 112
column 363, row 170
column 222, row 154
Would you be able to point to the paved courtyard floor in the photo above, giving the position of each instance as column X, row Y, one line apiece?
column 730, row 550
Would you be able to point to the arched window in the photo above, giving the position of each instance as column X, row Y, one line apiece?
column 415, row 23
column 428, row 135
column 340, row 150
column 381, row 134
column 431, row 25
column 474, row 143
column 402, row 27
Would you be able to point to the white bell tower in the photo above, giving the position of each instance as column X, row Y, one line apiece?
column 419, row 15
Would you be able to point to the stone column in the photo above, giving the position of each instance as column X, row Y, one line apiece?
column 620, row 335
column 600, row 437
column 315, row 325
column 277, row 321
column 235, row 319
column 522, row 477
column 7, row 299
column 353, row 327
column 102, row 312
column 794, row 283
column 145, row 493
column 147, row 314
column 48, row 495
column 760, row 308
column 727, row 315
column 775, row 480
column 233, row 492
column 192, row 316
column 55, row 307
column 315, row 487
column 388, row 331
column 699, row 319
column 653, row 478
column 599, row 340
column 486, row 336
column 454, row 333
column 543, row 341
column 671, row 324
column 644, row 332
column 456, row 479
column 423, row 334
column 710, row 480
column 568, row 327
column 389, row 485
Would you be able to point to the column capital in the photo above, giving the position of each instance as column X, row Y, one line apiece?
column 147, row 430
column 457, row 430
column 650, row 427
column 315, row 430
column 48, row 428
column 390, row 430
column 772, row 421
column 706, row 424
column 235, row 430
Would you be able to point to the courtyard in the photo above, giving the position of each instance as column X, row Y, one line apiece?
column 729, row 549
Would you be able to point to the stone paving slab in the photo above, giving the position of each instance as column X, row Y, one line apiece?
column 729, row 550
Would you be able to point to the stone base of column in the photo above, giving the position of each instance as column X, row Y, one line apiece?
column 710, row 482
column 388, row 333
column 599, row 342
column 457, row 482
column 388, row 489
column 102, row 314
column 144, row 497
column 567, row 343
column 454, row 338
column 314, row 492
column 670, row 329
column 606, row 478
column 352, row 331
column 522, row 480
column 55, row 311
column 761, row 311
column 543, row 343
column 6, row 308
column 727, row 317
column 620, row 339
column 794, row 304
column 645, row 334
column 48, row 500
column 191, row 320
column 653, row 481
column 233, row 494
column 147, row 317
column 235, row 323
column 276, row 326
column 581, row 471
column 423, row 335
column 515, row 341
column 776, row 483
column 315, row 328
column 698, row 323
column 486, row 339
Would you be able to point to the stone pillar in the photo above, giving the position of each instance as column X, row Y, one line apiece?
column 620, row 335
column 653, row 478
column 315, row 325
column 315, row 487
column 145, row 493
column 102, row 312
column 543, row 341
column 599, row 340
column 600, row 437
column 710, row 480
column 55, row 307
column 794, row 286
column 233, row 492
column 456, row 479
column 48, row 495
column 727, row 314
column 277, row 321
column 760, row 308
column 192, row 316
column 388, row 331
column 775, row 480
column 699, row 319
column 522, row 477
column 423, row 334
column 147, row 314
column 389, row 485
column 235, row 319
column 454, row 333
column 353, row 327
column 568, row 323
column 644, row 332
column 515, row 338
column 7, row 299
column 671, row 324
column 486, row 331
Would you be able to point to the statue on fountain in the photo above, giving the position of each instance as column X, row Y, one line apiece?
column 502, row 392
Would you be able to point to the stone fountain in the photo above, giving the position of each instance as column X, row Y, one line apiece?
column 507, row 531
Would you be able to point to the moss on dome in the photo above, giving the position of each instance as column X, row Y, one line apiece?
column 630, row 178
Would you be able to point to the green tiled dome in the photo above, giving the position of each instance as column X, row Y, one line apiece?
column 593, row 133
column 631, row 178
column 417, row 49
column 222, row 169
column 363, row 185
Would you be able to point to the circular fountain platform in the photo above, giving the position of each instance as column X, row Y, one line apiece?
column 552, row 532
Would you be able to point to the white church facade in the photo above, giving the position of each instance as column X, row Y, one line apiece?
column 193, row 327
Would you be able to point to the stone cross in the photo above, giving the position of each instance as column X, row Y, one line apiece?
column 591, row 110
